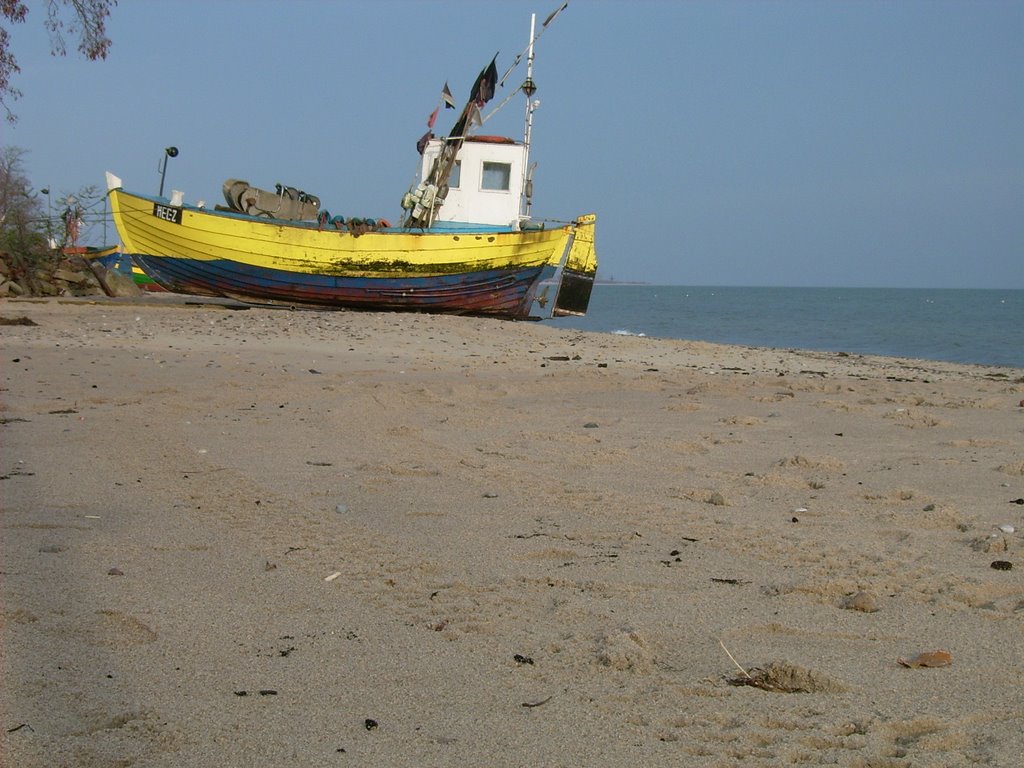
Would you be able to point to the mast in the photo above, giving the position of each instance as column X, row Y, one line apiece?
column 529, row 88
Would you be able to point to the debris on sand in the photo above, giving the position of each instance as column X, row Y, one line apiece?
column 784, row 677
column 928, row 659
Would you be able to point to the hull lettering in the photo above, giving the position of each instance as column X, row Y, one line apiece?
column 167, row 213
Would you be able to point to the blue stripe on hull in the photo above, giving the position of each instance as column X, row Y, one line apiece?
column 507, row 293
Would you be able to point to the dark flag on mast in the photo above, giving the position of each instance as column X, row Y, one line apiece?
column 483, row 88
column 421, row 145
column 553, row 14
column 480, row 94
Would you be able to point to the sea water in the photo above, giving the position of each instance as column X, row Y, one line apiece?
column 955, row 325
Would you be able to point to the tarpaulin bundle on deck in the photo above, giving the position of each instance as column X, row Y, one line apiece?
column 286, row 203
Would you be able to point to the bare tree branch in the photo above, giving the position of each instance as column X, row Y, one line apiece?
column 87, row 20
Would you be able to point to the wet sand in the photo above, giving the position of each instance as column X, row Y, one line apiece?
column 270, row 537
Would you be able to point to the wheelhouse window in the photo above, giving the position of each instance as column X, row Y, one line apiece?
column 496, row 176
column 456, row 175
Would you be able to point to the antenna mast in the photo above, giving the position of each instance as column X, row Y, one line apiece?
column 529, row 88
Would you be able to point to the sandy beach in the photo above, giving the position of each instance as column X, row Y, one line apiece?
column 296, row 538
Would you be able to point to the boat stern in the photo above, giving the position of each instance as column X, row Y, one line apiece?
column 577, row 281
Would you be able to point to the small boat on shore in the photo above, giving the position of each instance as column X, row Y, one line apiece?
column 114, row 259
column 466, row 242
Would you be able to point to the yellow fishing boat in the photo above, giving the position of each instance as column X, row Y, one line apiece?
column 466, row 242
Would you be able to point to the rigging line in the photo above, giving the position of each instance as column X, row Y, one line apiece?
column 95, row 203
column 519, row 56
column 507, row 99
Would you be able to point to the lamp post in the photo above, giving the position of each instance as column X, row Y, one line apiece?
column 168, row 152
column 49, row 217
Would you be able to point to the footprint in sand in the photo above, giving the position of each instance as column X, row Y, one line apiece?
column 116, row 629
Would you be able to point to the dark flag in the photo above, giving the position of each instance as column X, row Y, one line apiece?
column 449, row 100
column 553, row 14
column 483, row 88
column 421, row 145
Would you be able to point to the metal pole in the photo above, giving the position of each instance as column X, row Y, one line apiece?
column 163, row 172
column 529, row 88
column 49, row 217
column 169, row 152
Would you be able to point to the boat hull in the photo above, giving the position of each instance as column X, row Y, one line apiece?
column 488, row 270
column 499, row 291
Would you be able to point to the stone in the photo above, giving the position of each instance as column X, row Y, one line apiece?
column 118, row 284
column 861, row 601
column 68, row 276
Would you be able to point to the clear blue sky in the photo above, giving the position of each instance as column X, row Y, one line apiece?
column 720, row 143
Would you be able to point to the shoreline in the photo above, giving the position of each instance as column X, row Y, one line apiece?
column 319, row 538
column 154, row 300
